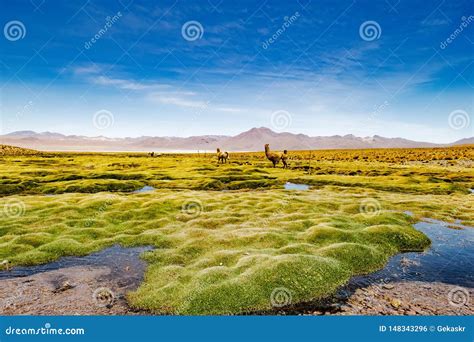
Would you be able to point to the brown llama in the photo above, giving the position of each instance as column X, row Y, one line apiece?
column 222, row 156
column 275, row 157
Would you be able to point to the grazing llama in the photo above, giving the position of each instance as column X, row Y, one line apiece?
column 222, row 156
column 275, row 157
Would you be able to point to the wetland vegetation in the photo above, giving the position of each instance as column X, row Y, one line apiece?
column 226, row 236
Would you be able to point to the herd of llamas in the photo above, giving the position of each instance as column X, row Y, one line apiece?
column 274, row 157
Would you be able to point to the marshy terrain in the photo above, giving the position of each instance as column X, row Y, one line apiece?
column 231, row 238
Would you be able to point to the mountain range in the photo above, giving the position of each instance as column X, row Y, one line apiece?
column 251, row 140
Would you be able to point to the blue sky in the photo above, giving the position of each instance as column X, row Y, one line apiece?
column 298, row 66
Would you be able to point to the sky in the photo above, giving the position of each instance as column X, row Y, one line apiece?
column 127, row 68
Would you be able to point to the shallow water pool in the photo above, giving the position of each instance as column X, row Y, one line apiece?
column 294, row 186
column 450, row 259
column 117, row 258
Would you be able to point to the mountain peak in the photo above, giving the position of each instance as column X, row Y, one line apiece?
column 22, row 133
column 257, row 133
column 251, row 140
column 262, row 129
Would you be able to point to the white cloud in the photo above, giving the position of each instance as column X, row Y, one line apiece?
column 95, row 74
column 229, row 109
column 176, row 100
column 124, row 84
column 88, row 69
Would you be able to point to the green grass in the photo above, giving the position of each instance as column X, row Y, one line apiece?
column 225, row 252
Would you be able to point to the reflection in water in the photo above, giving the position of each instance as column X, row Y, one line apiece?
column 450, row 259
column 125, row 265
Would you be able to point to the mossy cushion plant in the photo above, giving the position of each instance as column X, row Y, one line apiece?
column 252, row 247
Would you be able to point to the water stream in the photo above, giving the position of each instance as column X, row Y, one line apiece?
column 125, row 265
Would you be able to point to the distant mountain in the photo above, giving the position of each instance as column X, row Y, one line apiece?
column 466, row 141
column 251, row 140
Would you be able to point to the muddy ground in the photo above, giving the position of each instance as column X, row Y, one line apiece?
column 80, row 290
column 87, row 290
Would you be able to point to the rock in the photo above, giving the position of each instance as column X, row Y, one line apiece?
column 388, row 286
column 396, row 303
column 63, row 287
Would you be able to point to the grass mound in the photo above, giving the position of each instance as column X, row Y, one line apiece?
column 224, row 257
column 8, row 150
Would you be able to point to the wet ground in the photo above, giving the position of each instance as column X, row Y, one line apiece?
column 92, row 285
column 439, row 281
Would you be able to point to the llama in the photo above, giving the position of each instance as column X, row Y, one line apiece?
column 275, row 157
column 222, row 156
